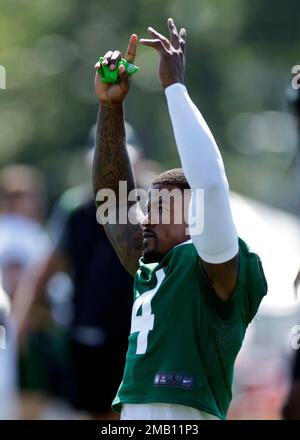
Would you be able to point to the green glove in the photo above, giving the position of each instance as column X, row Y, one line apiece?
column 112, row 76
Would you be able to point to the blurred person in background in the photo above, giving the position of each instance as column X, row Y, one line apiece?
column 7, row 361
column 102, row 296
column 22, row 192
column 293, row 102
column 4, row 307
column 22, row 237
column 23, row 243
column 291, row 407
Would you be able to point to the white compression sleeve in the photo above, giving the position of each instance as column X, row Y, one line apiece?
column 203, row 167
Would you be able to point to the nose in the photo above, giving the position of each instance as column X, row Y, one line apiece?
column 151, row 218
column 146, row 220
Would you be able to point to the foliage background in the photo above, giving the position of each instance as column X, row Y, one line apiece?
column 240, row 55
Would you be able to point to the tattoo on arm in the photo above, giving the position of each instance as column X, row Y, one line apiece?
column 111, row 165
column 111, row 161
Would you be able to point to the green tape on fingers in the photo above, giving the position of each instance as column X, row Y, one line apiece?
column 112, row 76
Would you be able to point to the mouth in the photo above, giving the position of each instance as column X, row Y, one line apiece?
column 148, row 234
column 149, row 238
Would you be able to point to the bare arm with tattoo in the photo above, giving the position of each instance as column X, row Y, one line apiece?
column 111, row 162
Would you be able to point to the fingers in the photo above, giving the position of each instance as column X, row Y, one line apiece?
column 111, row 59
column 156, row 44
column 182, row 40
column 174, row 37
column 162, row 38
column 106, row 58
column 124, row 84
column 98, row 74
column 131, row 49
column 115, row 58
column 160, row 42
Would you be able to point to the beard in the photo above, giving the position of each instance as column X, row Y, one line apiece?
column 151, row 256
column 150, row 251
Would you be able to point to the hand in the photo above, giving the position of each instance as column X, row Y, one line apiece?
column 113, row 95
column 172, row 53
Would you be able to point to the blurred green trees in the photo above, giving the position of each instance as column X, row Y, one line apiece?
column 240, row 55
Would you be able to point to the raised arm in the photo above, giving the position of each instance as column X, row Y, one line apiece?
column 111, row 161
column 201, row 160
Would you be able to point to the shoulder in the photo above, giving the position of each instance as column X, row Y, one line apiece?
column 252, row 282
column 251, row 287
column 251, row 265
column 187, row 247
column 182, row 254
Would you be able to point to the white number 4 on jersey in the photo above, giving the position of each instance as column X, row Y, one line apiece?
column 144, row 323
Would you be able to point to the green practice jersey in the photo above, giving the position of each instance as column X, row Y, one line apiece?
column 184, row 339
